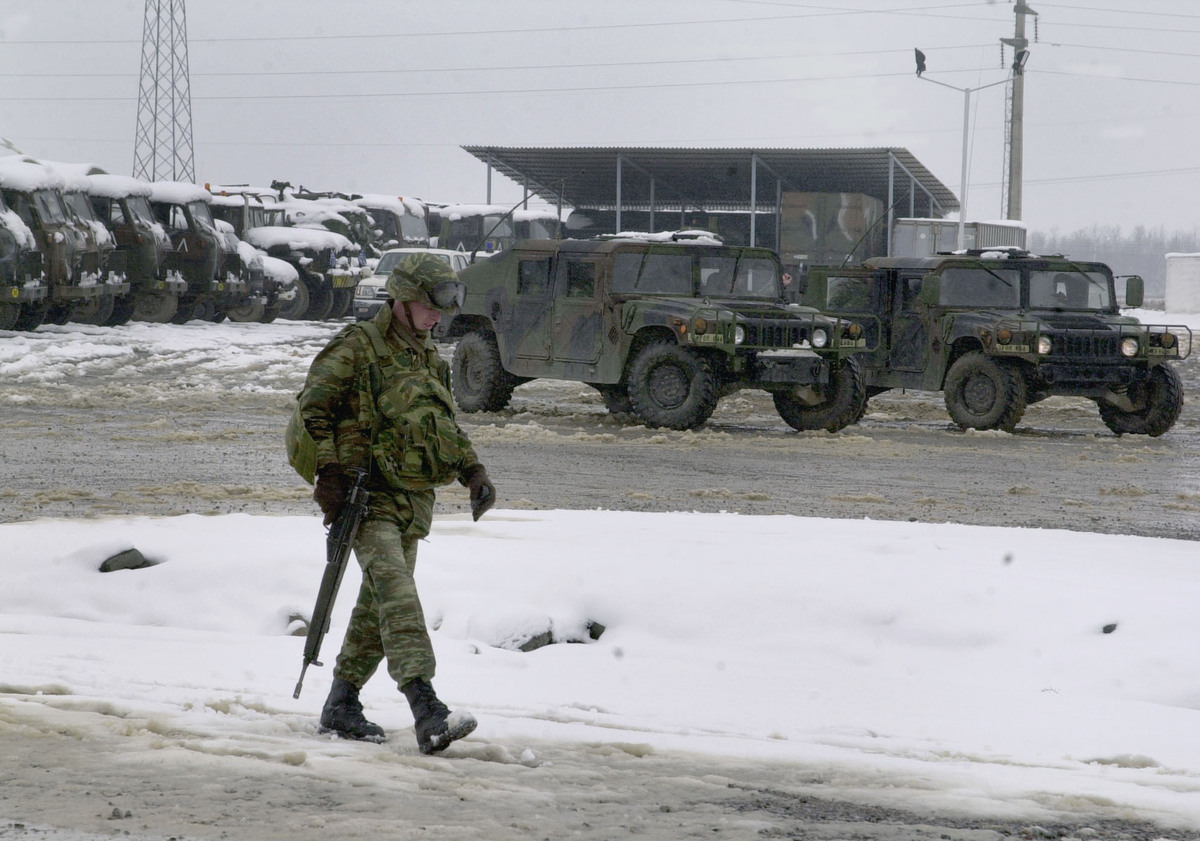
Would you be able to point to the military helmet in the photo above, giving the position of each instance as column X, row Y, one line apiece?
column 427, row 279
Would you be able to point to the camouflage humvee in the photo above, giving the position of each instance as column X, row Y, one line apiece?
column 998, row 330
column 661, row 327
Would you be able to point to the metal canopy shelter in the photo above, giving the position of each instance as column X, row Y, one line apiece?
column 680, row 179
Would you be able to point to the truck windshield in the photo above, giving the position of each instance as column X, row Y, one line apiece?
column 49, row 206
column 968, row 287
column 1071, row 290
column 201, row 213
column 139, row 206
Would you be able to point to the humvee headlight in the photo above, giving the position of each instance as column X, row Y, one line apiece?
column 699, row 326
column 739, row 334
column 820, row 337
column 1004, row 336
column 1044, row 345
column 1129, row 346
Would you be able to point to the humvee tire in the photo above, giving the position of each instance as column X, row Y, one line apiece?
column 845, row 401
column 616, row 399
column 1160, row 398
column 671, row 386
column 985, row 393
column 478, row 380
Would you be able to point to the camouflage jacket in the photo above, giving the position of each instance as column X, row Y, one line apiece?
column 352, row 397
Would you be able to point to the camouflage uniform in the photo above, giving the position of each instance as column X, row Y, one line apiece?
column 387, row 620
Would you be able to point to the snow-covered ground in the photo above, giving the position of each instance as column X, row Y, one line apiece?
column 1013, row 672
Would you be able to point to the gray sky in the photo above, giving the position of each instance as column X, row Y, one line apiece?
column 378, row 95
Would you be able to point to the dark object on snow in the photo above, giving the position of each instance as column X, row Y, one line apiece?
column 343, row 714
column 129, row 559
column 1109, row 628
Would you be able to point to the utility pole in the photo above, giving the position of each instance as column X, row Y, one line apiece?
column 1015, row 124
column 163, row 144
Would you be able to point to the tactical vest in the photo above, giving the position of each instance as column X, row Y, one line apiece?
column 416, row 444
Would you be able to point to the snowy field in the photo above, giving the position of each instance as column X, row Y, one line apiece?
column 1027, row 674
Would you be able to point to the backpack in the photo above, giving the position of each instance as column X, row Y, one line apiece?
column 301, row 448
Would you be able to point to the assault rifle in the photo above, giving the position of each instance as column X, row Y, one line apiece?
column 337, row 551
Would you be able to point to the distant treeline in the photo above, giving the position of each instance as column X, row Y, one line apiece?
column 1141, row 251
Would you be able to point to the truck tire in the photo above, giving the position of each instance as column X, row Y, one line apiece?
column 1161, row 399
column 477, row 378
column 10, row 314
column 95, row 310
column 155, row 307
column 247, row 312
column 122, row 311
column 295, row 309
column 32, row 316
column 985, row 393
column 671, row 386
column 844, row 401
column 343, row 302
column 320, row 299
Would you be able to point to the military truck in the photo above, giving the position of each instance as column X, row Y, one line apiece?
column 22, row 285
column 71, row 258
column 215, row 274
column 487, row 228
column 123, row 204
column 240, row 211
column 661, row 326
column 399, row 221
column 997, row 330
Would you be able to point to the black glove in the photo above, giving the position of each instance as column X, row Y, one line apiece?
column 333, row 486
column 483, row 492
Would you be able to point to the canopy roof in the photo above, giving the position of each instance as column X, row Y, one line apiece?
column 636, row 177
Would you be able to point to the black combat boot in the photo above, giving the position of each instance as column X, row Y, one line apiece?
column 343, row 714
column 436, row 726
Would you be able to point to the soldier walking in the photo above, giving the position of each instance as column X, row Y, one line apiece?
column 377, row 398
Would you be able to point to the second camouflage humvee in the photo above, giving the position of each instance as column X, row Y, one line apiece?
column 661, row 327
column 996, row 330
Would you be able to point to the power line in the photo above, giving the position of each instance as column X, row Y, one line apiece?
column 517, row 67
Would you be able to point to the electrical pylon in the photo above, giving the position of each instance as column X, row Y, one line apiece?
column 163, row 146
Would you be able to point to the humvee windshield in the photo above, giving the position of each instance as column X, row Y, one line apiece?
column 1072, row 290
column 999, row 288
column 720, row 276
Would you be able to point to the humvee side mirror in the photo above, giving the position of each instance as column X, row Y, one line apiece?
column 1135, row 291
column 931, row 290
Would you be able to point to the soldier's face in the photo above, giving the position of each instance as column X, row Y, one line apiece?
column 424, row 317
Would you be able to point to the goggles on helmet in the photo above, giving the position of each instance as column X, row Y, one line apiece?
column 448, row 294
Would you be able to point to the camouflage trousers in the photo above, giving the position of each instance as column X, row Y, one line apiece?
column 387, row 621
